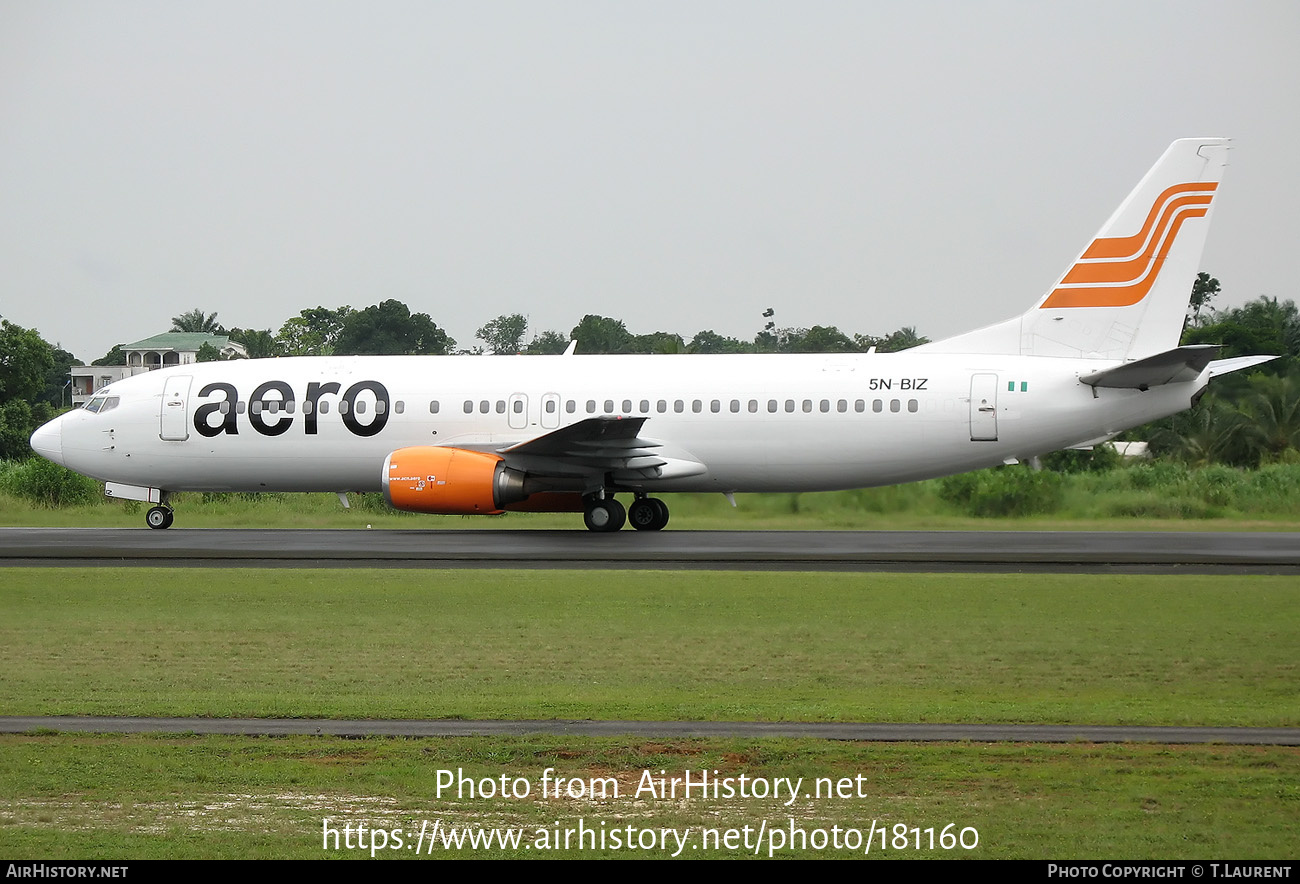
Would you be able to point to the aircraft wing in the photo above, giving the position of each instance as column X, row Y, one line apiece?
column 597, row 443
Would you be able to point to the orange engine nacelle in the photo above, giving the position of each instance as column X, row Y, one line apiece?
column 450, row 481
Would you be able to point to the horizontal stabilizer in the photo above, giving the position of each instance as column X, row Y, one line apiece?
column 1221, row 367
column 1178, row 365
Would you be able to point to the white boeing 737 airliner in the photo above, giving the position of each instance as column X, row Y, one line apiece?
column 440, row 434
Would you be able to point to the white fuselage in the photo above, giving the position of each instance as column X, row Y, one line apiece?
column 738, row 423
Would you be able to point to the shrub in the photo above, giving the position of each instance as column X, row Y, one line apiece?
column 48, row 484
column 1012, row 491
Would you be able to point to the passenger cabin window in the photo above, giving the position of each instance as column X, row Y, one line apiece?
column 469, row 407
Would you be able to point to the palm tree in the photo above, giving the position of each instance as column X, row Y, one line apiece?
column 1272, row 412
column 197, row 321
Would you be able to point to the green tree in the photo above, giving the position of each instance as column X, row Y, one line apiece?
column 313, row 332
column 207, row 353
column 903, row 339
column 503, row 335
column 390, row 328
column 259, row 344
column 819, row 339
column 1271, row 414
column 1204, row 290
column 548, row 343
column 27, row 363
column 197, row 321
column 711, row 342
column 665, row 343
column 600, row 334
column 1262, row 326
column 1208, row 434
column 59, row 378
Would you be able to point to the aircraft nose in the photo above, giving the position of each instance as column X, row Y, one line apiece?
column 47, row 441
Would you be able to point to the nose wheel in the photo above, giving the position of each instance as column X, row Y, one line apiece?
column 159, row 517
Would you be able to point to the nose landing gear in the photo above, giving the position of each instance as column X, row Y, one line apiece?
column 159, row 517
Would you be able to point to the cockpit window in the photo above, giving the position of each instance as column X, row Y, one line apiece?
column 102, row 403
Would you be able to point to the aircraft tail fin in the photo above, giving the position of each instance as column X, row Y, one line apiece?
column 1125, row 296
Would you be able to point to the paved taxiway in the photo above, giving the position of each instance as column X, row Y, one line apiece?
column 977, row 733
column 1138, row 552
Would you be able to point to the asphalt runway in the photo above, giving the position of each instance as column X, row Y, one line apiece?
column 975, row 733
column 1043, row 551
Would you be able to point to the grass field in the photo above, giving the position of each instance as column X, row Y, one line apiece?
column 529, row 644
column 146, row 797
column 651, row 645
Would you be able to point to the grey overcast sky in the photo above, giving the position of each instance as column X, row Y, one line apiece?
column 677, row 165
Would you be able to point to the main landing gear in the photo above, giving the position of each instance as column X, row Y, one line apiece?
column 159, row 517
column 607, row 514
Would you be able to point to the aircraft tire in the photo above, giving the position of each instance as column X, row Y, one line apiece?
column 648, row 514
column 604, row 515
column 159, row 517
